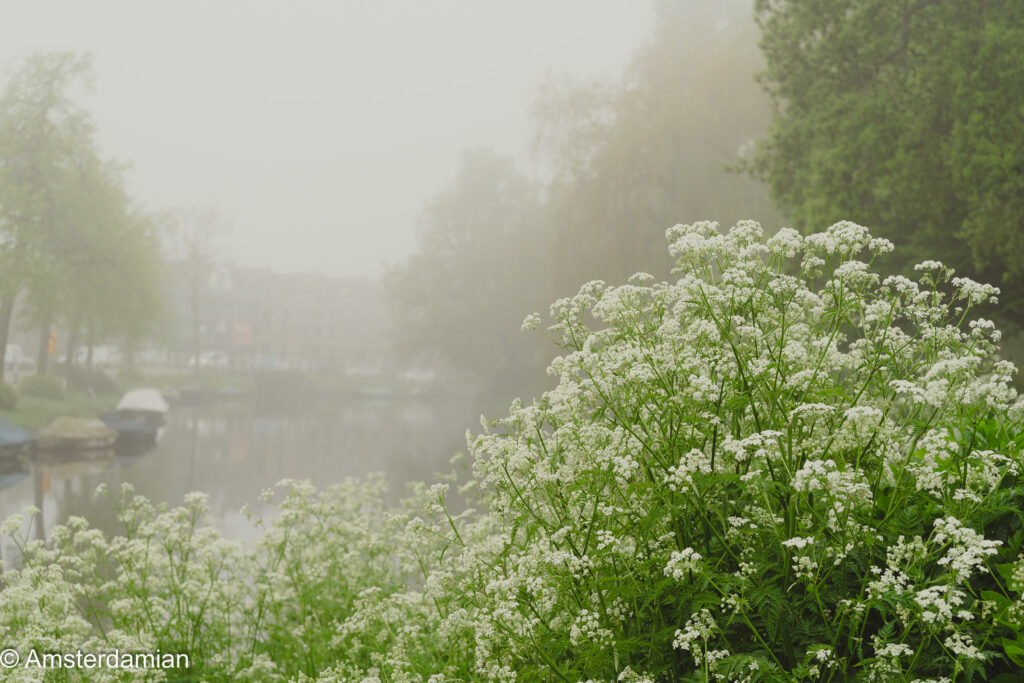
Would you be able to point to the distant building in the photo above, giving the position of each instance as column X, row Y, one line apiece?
column 255, row 318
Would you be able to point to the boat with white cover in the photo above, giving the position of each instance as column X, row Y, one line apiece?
column 146, row 403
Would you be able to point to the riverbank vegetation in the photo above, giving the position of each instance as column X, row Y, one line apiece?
column 777, row 466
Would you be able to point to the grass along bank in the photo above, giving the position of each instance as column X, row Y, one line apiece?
column 88, row 393
column 35, row 412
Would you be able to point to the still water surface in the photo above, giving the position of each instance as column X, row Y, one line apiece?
column 233, row 451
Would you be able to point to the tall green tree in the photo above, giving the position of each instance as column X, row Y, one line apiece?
column 905, row 115
column 622, row 161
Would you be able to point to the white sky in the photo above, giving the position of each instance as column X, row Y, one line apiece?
column 318, row 130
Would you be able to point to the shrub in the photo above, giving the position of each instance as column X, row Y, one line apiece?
column 8, row 396
column 778, row 467
column 171, row 582
column 94, row 380
column 46, row 386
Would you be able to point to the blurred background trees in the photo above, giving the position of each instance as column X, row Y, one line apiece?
column 481, row 266
column 905, row 116
column 617, row 163
column 74, row 250
column 633, row 158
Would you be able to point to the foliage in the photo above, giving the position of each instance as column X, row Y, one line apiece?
column 905, row 116
column 8, row 396
column 742, row 475
column 480, row 259
column 634, row 155
column 45, row 386
column 746, row 472
column 40, row 131
column 171, row 583
column 69, row 234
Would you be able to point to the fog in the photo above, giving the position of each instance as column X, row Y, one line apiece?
column 318, row 130
column 315, row 229
column 513, row 340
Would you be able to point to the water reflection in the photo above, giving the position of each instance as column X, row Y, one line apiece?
column 234, row 451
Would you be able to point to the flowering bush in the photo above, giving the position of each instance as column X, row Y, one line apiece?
column 780, row 467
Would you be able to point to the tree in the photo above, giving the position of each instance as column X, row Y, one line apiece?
column 906, row 115
column 478, row 269
column 631, row 159
column 41, row 129
column 70, row 237
column 111, row 263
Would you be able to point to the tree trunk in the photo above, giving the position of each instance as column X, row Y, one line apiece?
column 90, row 342
column 72, row 347
column 196, row 326
column 6, row 313
column 43, row 356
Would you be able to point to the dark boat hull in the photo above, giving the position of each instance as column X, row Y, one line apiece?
column 133, row 429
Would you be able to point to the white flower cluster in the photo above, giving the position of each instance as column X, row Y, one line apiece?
column 967, row 548
column 683, row 562
column 587, row 628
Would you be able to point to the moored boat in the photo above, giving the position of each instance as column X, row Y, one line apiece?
column 148, row 404
column 13, row 439
column 75, row 434
column 132, row 428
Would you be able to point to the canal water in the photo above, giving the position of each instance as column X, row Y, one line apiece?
column 232, row 451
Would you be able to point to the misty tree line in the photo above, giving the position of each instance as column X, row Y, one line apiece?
column 907, row 117
column 75, row 250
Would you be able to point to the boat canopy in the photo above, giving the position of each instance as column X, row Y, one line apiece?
column 143, row 400
column 75, row 428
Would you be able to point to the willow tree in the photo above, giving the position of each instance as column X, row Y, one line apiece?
column 634, row 156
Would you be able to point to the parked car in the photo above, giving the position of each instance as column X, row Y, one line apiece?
column 214, row 360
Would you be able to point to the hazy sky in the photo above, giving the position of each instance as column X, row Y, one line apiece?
column 319, row 129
